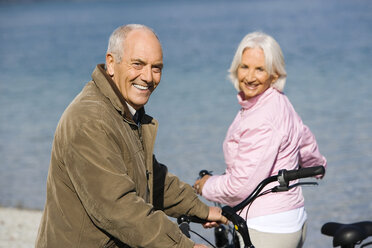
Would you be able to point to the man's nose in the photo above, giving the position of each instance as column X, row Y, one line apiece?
column 147, row 74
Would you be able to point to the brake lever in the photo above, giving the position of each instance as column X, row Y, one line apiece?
column 303, row 183
column 282, row 188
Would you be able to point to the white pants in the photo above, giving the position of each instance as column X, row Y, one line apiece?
column 278, row 240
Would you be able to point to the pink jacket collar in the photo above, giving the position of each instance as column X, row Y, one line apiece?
column 247, row 104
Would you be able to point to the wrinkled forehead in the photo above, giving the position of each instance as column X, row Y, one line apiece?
column 144, row 44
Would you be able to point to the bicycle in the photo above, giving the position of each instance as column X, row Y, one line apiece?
column 348, row 235
column 236, row 234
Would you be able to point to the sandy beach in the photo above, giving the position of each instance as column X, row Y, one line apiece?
column 18, row 227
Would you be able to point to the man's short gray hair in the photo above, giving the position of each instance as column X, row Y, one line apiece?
column 115, row 45
column 274, row 59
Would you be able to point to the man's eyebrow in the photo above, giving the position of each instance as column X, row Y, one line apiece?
column 159, row 65
column 138, row 60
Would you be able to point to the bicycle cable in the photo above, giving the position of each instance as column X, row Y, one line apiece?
column 250, row 204
column 202, row 238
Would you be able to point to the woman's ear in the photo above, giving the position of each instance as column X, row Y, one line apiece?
column 110, row 61
column 274, row 77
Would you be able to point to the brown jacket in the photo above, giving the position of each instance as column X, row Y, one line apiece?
column 100, row 181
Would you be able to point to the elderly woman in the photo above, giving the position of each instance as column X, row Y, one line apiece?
column 267, row 135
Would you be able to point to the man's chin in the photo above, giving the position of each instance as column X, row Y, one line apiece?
column 138, row 104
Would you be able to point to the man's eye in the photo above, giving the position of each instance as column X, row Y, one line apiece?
column 156, row 69
column 137, row 66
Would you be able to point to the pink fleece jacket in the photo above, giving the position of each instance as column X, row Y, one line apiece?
column 267, row 135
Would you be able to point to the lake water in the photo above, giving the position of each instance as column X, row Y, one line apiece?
column 49, row 49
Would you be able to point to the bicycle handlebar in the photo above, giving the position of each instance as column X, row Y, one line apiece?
column 283, row 177
column 188, row 219
column 304, row 172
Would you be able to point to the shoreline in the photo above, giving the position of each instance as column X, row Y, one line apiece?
column 18, row 227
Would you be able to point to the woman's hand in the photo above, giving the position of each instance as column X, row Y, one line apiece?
column 199, row 184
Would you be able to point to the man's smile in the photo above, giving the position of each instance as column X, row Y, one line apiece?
column 140, row 87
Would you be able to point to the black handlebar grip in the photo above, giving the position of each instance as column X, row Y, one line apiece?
column 189, row 218
column 197, row 220
column 304, row 172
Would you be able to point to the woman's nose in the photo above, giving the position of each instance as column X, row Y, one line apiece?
column 250, row 76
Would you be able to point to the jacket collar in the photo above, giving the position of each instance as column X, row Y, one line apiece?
column 109, row 89
column 247, row 104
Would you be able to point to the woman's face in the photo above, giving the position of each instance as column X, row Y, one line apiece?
column 252, row 74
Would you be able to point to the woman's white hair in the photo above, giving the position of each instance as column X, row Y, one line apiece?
column 274, row 59
column 115, row 45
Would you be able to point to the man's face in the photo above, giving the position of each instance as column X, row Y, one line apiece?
column 139, row 72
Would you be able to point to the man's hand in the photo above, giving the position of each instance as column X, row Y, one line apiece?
column 215, row 218
column 200, row 246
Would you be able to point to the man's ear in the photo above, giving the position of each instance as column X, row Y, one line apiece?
column 110, row 61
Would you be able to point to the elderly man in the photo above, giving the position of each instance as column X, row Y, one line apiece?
column 105, row 187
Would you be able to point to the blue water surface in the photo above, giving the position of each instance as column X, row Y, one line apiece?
column 49, row 49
